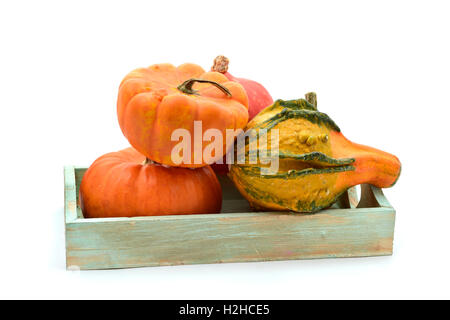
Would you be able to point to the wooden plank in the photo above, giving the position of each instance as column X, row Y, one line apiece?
column 70, row 194
column 237, row 237
column 352, row 197
column 372, row 197
column 224, row 237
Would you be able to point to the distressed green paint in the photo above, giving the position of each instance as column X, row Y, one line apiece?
column 235, row 235
column 70, row 194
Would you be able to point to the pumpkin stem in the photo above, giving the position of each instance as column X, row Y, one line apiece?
column 311, row 97
column 186, row 87
column 220, row 64
column 147, row 161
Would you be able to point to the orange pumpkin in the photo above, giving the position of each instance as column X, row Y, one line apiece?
column 125, row 184
column 153, row 102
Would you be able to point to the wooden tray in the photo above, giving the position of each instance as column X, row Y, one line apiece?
column 347, row 229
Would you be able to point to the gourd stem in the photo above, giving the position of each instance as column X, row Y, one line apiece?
column 186, row 87
column 311, row 97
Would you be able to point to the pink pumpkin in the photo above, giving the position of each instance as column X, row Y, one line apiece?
column 258, row 96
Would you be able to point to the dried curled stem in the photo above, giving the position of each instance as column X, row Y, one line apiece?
column 220, row 64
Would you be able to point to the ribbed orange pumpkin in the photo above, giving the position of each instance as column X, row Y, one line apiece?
column 120, row 184
column 153, row 102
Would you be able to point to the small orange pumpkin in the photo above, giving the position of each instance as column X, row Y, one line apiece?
column 125, row 184
column 153, row 102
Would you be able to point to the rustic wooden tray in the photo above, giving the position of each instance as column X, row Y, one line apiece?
column 350, row 228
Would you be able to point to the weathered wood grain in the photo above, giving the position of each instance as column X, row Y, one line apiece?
column 235, row 235
column 70, row 194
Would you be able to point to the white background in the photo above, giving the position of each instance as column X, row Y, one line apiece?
column 381, row 70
